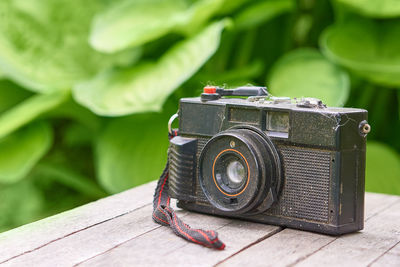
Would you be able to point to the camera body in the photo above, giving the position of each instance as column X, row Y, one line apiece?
column 294, row 163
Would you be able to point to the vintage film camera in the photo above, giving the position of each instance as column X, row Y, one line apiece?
column 282, row 161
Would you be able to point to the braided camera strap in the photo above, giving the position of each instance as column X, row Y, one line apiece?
column 163, row 214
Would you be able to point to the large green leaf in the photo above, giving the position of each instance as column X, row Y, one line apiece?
column 306, row 73
column 374, row 8
column 28, row 110
column 260, row 12
column 383, row 169
column 369, row 48
column 10, row 95
column 43, row 43
column 131, row 151
column 145, row 87
column 20, row 151
column 132, row 23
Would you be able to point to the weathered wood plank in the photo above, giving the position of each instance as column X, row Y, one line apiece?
column 36, row 235
column 390, row 258
column 381, row 233
column 238, row 235
column 181, row 253
column 162, row 248
column 375, row 203
column 119, row 231
column 396, row 249
column 85, row 244
column 282, row 249
column 91, row 242
column 290, row 246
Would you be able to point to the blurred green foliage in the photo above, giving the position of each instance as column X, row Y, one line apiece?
column 86, row 88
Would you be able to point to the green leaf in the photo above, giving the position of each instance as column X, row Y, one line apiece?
column 20, row 203
column 197, row 15
column 29, row 110
column 145, row 87
column 10, row 95
column 235, row 76
column 71, row 110
column 302, row 28
column 43, row 43
column 261, row 12
column 398, row 101
column 134, row 23
column 20, row 151
column 71, row 179
column 383, row 169
column 374, row 8
column 77, row 135
column 368, row 48
column 128, row 57
column 230, row 6
column 131, row 151
column 306, row 73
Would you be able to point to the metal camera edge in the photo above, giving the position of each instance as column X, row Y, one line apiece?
column 294, row 164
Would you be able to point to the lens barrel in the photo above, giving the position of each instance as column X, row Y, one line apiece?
column 240, row 171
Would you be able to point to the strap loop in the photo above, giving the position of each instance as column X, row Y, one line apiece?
column 163, row 214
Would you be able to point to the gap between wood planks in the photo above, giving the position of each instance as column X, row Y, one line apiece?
column 31, row 237
column 114, row 256
column 135, row 237
column 381, row 209
column 112, row 253
column 300, row 254
column 252, row 244
column 381, row 256
column 170, row 248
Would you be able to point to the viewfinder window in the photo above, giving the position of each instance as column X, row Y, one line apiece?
column 278, row 121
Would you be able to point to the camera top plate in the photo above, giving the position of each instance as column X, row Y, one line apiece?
column 304, row 121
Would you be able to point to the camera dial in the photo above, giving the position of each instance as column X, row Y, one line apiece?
column 240, row 171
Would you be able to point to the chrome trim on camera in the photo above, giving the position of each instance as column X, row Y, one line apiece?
column 171, row 120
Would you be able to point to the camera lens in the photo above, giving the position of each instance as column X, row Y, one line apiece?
column 236, row 173
column 229, row 173
column 243, row 178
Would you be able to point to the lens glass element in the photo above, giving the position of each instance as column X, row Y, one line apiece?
column 236, row 173
column 230, row 172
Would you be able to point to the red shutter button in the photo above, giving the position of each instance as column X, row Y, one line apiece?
column 210, row 90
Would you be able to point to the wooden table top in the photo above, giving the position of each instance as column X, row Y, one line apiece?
column 119, row 231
